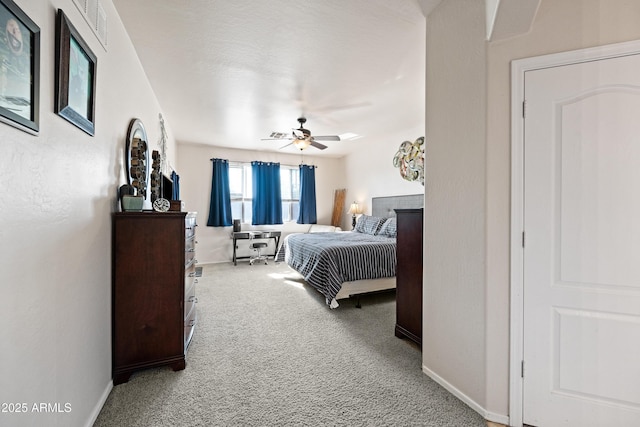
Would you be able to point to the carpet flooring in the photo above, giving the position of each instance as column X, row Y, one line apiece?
column 267, row 351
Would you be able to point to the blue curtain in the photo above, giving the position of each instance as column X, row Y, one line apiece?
column 307, row 213
column 267, row 197
column 220, row 202
column 175, row 192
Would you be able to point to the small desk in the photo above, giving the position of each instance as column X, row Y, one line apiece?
column 250, row 235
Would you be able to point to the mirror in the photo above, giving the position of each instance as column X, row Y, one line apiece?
column 137, row 154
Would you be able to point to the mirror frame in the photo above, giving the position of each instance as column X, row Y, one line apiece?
column 136, row 136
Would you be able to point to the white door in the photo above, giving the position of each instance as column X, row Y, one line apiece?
column 582, row 245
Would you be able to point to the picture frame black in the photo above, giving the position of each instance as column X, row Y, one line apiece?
column 20, row 73
column 76, row 66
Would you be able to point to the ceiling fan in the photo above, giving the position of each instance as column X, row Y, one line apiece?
column 301, row 138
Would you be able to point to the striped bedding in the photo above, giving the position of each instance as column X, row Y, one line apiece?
column 326, row 260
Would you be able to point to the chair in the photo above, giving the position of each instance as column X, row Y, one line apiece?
column 258, row 246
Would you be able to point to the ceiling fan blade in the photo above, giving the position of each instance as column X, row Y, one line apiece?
column 298, row 133
column 285, row 145
column 317, row 144
column 275, row 139
column 327, row 138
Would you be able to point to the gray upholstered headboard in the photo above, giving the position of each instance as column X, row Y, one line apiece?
column 384, row 206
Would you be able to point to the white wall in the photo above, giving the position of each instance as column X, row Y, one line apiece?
column 57, row 194
column 467, row 254
column 370, row 172
column 194, row 168
column 453, row 341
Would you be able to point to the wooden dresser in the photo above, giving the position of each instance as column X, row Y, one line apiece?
column 153, row 290
column 409, row 275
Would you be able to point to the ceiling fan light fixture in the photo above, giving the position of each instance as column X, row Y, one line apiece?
column 301, row 138
column 301, row 143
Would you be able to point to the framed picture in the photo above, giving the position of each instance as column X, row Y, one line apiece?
column 75, row 76
column 20, row 70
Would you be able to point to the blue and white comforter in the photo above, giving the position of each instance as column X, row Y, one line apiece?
column 326, row 260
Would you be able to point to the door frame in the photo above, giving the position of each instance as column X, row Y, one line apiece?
column 516, row 304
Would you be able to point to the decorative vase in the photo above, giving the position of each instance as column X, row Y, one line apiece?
column 132, row 203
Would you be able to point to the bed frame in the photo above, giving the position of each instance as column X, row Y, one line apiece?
column 380, row 207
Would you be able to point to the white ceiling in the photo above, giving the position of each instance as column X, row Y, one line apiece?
column 229, row 72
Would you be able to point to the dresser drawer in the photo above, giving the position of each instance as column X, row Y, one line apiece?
column 190, row 226
column 189, row 276
column 189, row 326
column 190, row 299
column 189, row 250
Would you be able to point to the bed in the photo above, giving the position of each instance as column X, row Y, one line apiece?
column 341, row 265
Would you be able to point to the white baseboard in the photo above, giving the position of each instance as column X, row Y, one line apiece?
column 487, row 415
column 96, row 409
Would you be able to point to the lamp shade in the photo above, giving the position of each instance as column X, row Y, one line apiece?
column 354, row 209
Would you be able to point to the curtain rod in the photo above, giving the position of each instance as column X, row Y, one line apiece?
column 259, row 161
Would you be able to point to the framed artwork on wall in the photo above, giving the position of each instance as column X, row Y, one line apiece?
column 20, row 71
column 75, row 76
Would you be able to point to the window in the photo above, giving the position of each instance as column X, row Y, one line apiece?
column 290, row 188
column 240, row 184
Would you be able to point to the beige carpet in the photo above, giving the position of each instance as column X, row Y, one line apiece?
column 267, row 351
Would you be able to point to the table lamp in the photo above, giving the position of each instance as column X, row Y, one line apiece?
column 354, row 210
